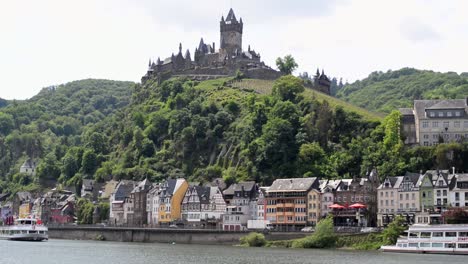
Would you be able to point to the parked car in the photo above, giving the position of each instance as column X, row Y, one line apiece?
column 308, row 229
column 173, row 226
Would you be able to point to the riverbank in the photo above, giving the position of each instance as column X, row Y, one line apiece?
column 160, row 235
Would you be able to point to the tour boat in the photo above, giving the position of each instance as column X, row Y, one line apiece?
column 23, row 229
column 432, row 239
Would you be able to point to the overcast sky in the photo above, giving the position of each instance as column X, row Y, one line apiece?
column 50, row 42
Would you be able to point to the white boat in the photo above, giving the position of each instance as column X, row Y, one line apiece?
column 432, row 239
column 24, row 229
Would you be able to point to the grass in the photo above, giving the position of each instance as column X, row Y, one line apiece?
column 266, row 86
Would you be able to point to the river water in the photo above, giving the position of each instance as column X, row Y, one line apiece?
column 90, row 252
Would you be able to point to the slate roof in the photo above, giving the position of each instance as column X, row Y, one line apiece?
column 24, row 196
column 421, row 105
column 291, row 185
column 29, row 163
column 203, row 194
column 88, row 184
column 142, row 186
column 248, row 186
column 123, row 190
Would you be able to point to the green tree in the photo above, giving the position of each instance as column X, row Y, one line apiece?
column 48, row 168
column 286, row 65
column 393, row 231
column 288, row 88
column 89, row 162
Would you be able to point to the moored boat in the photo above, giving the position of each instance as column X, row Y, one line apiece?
column 24, row 229
column 432, row 239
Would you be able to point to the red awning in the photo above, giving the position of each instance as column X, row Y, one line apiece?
column 357, row 206
column 336, row 206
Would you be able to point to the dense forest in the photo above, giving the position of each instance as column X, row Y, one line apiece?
column 386, row 91
column 46, row 126
column 200, row 130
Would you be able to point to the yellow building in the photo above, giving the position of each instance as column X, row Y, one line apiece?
column 172, row 194
column 313, row 206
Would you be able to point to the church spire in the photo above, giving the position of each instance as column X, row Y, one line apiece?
column 231, row 16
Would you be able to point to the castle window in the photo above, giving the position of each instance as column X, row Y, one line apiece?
column 449, row 114
column 446, row 124
column 425, row 124
column 456, row 124
column 431, row 114
column 440, row 114
column 457, row 113
column 435, row 124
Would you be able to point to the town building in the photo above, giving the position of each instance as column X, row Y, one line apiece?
column 153, row 205
column 459, row 192
column 136, row 214
column 357, row 191
column 431, row 122
column 327, row 190
column 91, row 189
column 118, row 209
column 196, row 197
column 172, row 193
column 287, row 202
column 387, row 197
column 239, row 198
column 22, row 204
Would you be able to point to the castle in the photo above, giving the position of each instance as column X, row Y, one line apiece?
column 209, row 63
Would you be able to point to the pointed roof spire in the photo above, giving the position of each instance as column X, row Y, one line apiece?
column 159, row 61
column 222, row 18
column 187, row 55
column 318, row 72
column 240, row 20
column 180, row 48
column 323, row 72
column 149, row 63
column 231, row 16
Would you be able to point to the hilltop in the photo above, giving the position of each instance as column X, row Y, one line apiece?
column 386, row 91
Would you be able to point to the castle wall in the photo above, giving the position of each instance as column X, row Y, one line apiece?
column 262, row 73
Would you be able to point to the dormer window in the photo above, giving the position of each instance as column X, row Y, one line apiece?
column 431, row 114
column 440, row 114
column 441, row 183
column 449, row 114
column 457, row 113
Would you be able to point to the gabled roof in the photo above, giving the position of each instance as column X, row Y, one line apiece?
column 88, row 184
column 235, row 187
column 24, row 196
column 142, row 186
column 29, row 163
column 123, row 190
column 108, row 189
column 292, row 185
column 203, row 194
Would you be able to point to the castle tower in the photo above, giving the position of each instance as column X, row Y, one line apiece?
column 231, row 33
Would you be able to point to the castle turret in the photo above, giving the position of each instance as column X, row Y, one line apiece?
column 231, row 33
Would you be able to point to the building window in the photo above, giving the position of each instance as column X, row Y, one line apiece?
column 456, row 124
column 457, row 113
column 431, row 114
column 435, row 124
column 426, row 143
column 425, row 124
column 446, row 124
column 465, row 124
column 426, row 136
column 449, row 114
column 440, row 114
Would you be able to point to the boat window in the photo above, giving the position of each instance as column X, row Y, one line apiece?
column 41, row 232
column 412, row 244
column 437, row 234
column 399, row 245
column 462, row 234
column 425, row 234
column 425, row 244
column 462, row 245
column 438, row 245
column 27, row 222
column 405, row 245
column 449, row 245
column 32, row 232
column 413, row 234
column 450, row 234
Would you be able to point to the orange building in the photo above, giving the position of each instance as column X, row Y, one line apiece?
column 287, row 202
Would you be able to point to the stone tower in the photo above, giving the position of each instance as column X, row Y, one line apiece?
column 231, row 33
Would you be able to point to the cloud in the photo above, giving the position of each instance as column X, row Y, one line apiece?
column 417, row 31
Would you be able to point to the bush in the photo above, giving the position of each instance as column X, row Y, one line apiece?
column 323, row 237
column 253, row 240
column 394, row 229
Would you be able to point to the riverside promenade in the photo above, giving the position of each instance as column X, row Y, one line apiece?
column 159, row 235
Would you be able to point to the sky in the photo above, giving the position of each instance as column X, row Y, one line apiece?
column 50, row 42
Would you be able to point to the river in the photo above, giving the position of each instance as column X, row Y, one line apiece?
column 90, row 252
